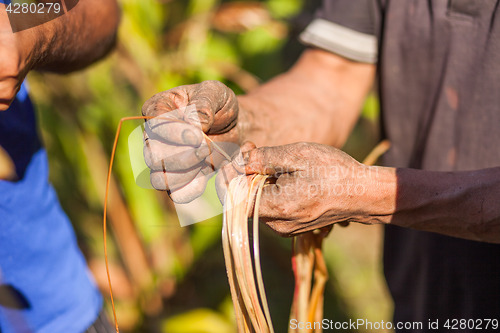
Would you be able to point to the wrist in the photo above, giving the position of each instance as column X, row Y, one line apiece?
column 378, row 189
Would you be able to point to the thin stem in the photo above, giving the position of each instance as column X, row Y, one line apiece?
column 104, row 221
column 105, row 210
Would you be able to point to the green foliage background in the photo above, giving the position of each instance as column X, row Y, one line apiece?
column 167, row 278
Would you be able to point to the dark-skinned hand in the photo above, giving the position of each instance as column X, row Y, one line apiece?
column 175, row 149
column 314, row 186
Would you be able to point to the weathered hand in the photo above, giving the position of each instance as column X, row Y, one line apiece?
column 175, row 149
column 16, row 52
column 315, row 185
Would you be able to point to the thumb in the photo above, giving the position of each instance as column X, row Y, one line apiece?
column 211, row 98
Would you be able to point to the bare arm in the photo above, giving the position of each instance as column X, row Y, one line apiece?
column 461, row 204
column 318, row 100
column 66, row 43
column 73, row 40
column 78, row 38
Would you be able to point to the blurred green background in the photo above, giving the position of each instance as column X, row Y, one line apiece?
column 167, row 278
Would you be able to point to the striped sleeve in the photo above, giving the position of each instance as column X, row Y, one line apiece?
column 347, row 28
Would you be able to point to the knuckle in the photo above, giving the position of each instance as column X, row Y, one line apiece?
column 303, row 145
column 148, row 106
column 145, row 108
column 301, row 149
column 148, row 109
column 214, row 84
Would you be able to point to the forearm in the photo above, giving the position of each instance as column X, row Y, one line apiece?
column 318, row 100
column 460, row 204
column 76, row 39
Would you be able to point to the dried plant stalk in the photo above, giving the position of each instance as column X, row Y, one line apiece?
column 307, row 260
column 308, row 301
column 244, row 272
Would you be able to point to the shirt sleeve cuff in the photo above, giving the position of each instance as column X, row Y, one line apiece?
column 340, row 40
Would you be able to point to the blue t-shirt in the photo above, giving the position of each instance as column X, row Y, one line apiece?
column 45, row 285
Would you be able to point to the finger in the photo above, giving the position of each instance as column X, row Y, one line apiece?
column 211, row 98
column 208, row 97
column 166, row 101
column 166, row 157
column 274, row 160
column 192, row 190
column 174, row 131
column 173, row 120
column 163, row 181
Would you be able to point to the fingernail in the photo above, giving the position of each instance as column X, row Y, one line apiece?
column 190, row 138
column 202, row 152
